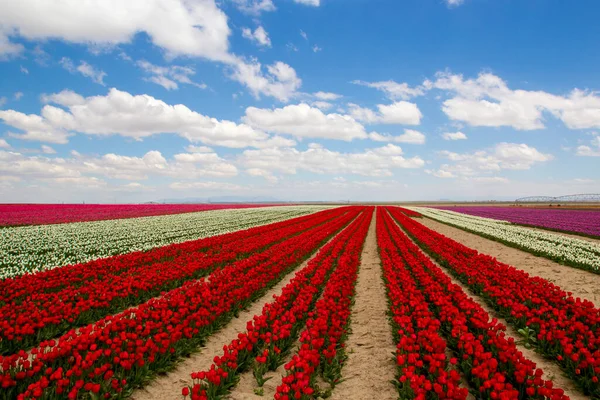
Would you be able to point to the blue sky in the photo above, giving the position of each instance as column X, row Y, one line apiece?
column 111, row 101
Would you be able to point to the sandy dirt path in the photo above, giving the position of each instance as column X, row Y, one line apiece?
column 370, row 366
column 551, row 370
column 169, row 386
column 581, row 283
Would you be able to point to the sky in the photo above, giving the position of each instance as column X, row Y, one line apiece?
column 110, row 101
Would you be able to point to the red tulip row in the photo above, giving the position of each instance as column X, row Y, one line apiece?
column 410, row 213
column 491, row 363
column 123, row 351
column 270, row 336
column 566, row 329
column 322, row 342
column 109, row 288
column 423, row 366
column 79, row 274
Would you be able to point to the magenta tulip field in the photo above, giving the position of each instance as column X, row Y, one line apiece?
column 586, row 222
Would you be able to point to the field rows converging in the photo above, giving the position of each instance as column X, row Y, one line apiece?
column 120, row 352
column 347, row 302
column 31, row 249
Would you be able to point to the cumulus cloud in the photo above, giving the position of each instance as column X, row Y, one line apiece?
column 454, row 136
column 327, row 96
column 322, row 105
column 186, row 28
column 169, row 77
column 83, row 169
column 317, row 159
column 135, row 116
column 409, row 136
column 400, row 112
column 593, row 150
column 454, row 3
column 394, row 90
column 488, row 101
column 84, row 69
column 280, row 81
column 304, row 121
column 254, row 7
column 503, row 156
column 4, row 144
column 259, row 36
column 190, row 29
column 48, row 150
column 314, row 3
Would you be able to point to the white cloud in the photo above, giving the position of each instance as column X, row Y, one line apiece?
column 394, row 90
column 259, row 36
column 280, row 81
column 186, row 28
column 303, row 34
column 322, row 105
column 84, row 69
column 400, row 112
column 48, row 150
column 4, row 144
column 314, row 3
column 95, row 75
column 168, row 77
column 317, row 159
column 304, row 121
column 36, row 127
column 503, row 156
column 255, row 7
column 18, row 95
column 316, row 49
column 24, row 70
column 409, row 136
column 91, row 171
column 454, row 3
column 135, row 116
column 590, row 151
column 488, row 101
column 8, row 49
column 327, row 96
column 3, row 101
column 454, row 136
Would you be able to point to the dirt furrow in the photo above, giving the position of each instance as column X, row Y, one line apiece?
column 370, row 367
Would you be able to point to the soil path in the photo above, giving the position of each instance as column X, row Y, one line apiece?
column 551, row 370
column 583, row 284
column 370, row 367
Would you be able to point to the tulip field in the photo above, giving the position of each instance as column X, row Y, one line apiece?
column 251, row 302
column 585, row 222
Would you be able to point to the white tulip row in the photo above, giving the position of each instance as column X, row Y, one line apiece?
column 31, row 249
column 571, row 251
